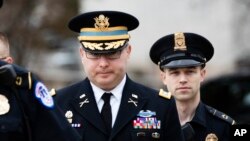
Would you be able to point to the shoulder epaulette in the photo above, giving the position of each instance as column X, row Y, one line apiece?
column 164, row 94
column 52, row 92
column 220, row 115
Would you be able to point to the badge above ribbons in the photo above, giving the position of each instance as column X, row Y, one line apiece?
column 146, row 120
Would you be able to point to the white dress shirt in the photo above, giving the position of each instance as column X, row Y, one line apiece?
column 115, row 99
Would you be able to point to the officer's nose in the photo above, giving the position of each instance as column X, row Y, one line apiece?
column 183, row 78
column 103, row 61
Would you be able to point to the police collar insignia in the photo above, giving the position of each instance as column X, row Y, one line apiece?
column 4, row 105
column 146, row 120
column 43, row 95
column 211, row 137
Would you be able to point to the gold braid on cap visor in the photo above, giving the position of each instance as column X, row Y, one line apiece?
column 107, row 46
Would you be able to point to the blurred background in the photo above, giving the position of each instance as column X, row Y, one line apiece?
column 41, row 42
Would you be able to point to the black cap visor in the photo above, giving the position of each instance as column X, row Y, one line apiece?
column 183, row 63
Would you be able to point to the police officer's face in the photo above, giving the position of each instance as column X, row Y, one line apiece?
column 104, row 72
column 184, row 83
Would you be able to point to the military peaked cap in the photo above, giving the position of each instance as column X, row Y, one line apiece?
column 103, row 31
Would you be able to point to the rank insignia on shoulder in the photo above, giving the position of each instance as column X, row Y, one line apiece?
column 211, row 137
column 52, row 92
column 164, row 94
column 220, row 115
column 42, row 94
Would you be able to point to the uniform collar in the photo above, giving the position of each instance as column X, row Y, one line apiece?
column 200, row 115
column 117, row 91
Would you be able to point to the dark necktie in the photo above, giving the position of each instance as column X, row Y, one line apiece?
column 106, row 111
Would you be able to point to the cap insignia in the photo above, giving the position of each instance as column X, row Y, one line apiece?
column 101, row 22
column 179, row 39
column 108, row 46
column 211, row 137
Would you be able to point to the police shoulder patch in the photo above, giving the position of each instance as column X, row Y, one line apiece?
column 42, row 94
column 220, row 115
column 164, row 94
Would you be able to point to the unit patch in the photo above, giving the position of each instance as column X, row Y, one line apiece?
column 43, row 95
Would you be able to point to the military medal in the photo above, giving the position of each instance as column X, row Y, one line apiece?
column 4, row 105
column 147, row 120
column 69, row 116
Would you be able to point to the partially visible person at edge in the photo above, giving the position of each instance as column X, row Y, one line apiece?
column 107, row 105
column 27, row 111
column 5, row 48
column 181, row 58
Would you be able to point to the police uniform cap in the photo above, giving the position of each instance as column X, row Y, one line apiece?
column 180, row 50
column 103, row 31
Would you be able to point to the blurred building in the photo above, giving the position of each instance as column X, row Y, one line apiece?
column 223, row 22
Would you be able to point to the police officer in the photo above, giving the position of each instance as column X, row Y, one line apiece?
column 108, row 105
column 181, row 58
column 27, row 111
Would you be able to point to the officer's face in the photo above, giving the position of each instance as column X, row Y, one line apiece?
column 103, row 71
column 184, row 83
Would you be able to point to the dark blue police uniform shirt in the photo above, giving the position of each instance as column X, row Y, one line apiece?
column 28, row 118
column 208, row 120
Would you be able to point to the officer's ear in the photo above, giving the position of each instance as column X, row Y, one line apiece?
column 81, row 52
column 128, row 49
column 203, row 74
column 163, row 77
column 9, row 60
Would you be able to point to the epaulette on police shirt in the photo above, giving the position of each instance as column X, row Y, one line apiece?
column 220, row 115
column 52, row 92
column 164, row 94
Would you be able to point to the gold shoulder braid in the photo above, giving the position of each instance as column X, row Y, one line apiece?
column 220, row 115
column 164, row 94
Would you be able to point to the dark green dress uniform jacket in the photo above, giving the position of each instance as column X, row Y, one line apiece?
column 209, row 121
column 132, row 122
column 27, row 118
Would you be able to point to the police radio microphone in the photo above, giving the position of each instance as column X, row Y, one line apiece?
column 7, row 75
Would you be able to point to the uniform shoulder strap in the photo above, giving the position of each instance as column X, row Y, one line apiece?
column 52, row 92
column 220, row 115
column 164, row 94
